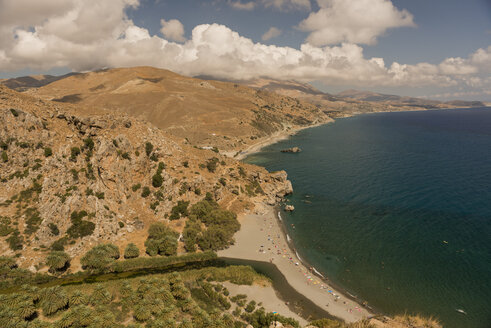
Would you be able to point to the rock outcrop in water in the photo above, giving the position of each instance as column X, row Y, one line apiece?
column 292, row 150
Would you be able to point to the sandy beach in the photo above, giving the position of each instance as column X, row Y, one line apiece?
column 274, row 138
column 261, row 238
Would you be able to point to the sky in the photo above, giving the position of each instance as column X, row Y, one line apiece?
column 438, row 49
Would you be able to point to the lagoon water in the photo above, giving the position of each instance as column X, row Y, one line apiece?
column 396, row 209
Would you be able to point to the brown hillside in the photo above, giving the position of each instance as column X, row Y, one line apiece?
column 208, row 113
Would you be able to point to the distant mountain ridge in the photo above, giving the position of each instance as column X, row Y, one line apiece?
column 403, row 100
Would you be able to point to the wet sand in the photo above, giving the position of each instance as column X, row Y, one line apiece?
column 261, row 238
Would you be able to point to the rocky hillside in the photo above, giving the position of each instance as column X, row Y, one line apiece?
column 225, row 115
column 71, row 180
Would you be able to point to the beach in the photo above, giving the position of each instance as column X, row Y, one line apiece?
column 272, row 139
column 261, row 238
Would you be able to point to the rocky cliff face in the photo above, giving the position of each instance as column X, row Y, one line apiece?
column 75, row 180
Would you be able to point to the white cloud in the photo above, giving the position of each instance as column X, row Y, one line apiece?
column 354, row 21
column 288, row 4
column 242, row 6
column 62, row 39
column 273, row 32
column 172, row 30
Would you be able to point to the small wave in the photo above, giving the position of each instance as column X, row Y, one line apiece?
column 279, row 216
column 298, row 256
column 288, row 238
column 320, row 274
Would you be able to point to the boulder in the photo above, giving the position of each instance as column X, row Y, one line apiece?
column 292, row 150
column 289, row 208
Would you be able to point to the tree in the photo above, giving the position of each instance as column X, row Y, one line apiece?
column 53, row 299
column 131, row 251
column 179, row 210
column 100, row 257
column 161, row 240
column 58, row 261
column 148, row 148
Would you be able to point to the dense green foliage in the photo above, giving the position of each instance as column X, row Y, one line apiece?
column 220, row 226
column 148, row 148
column 211, row 164
column 131, row 251
column 188, row 300
column 80, row 228
column 179, row 210
column 158, row 262
column 5, row 157
column 74, row 152
column 11, row 275
column 157, row 178
column 54, row 229
column 58, row 261
column 161, row 240
column 48, row 152
column 145, row 192
column 100, row 257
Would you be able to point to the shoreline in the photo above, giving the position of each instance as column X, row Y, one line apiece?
column 263, row 239
column 285, row 134
column 274, row 138
column 341, row 290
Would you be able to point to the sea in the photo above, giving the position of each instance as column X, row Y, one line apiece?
column 395, row 208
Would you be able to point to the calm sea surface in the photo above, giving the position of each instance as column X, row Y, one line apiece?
column 396, row 209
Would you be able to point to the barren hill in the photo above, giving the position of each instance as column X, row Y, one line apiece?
column 208, row 113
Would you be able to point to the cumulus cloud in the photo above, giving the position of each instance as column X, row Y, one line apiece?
column 90, row 34
column 273, row 32
column 288, row 4
column 172, row 30
column 354, row 21
column 242, row 6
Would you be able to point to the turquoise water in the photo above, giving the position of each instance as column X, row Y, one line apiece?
column 396, row 209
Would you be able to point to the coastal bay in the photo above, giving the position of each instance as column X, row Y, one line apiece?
column 394, row 209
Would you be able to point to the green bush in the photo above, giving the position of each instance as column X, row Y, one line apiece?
column 5, row 157
column 48, row 152
column 74, row 152
column 135, row 187
column 145, row 192
column 80, row 228
column 15, row 241
column 100, row 195
column 157, row 180
column 179, row 210
column 33, row 220
column 89, row 143
column 100, row 257
column 161, row 240
column 211, row 164
column 131, row 251
column 59, row 245
column 148, row 148
column 54, row 229
column 58, row 261
column 14, row 112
